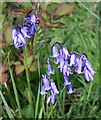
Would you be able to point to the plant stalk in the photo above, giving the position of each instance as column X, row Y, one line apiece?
column 28, row 77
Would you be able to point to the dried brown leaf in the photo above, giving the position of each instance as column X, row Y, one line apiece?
column 62, row 10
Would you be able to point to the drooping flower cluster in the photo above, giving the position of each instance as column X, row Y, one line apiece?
column 21, row 33
column 49, row 85
column 68, row 64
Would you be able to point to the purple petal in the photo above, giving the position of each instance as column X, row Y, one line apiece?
column 91, row 76
column 46, row 82
column 70, row 89
column 54, row 88
column 88, row 65
column 34, row 19
column 43, row 91
column 73, row 59
column 61, row 65
column 66, row 80
column 86, row 74
column 55, row 51
column 19, row 42
column 78, row 65
column 25, row 32
column 64, row 52
column 51, row 98
column 58, row 59
column 50, row 70
column 65, row 67
column 20, row 37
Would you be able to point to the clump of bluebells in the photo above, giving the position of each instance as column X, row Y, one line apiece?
column 68, row 64
column 20, row 34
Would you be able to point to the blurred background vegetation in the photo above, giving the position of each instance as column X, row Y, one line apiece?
column 75, row 25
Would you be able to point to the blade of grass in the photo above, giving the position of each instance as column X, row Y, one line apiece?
column 37, row 102
column 40, row 113
column 38, row 95
column 6, row 106
column 89, row 10
column 15, row 89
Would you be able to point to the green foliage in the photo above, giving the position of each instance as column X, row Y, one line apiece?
column 75, row 25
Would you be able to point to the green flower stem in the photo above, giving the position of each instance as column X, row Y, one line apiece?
column 27, row 76
column 15, row 90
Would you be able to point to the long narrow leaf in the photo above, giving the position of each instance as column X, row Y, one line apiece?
column 6, row 106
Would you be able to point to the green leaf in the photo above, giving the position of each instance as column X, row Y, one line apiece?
column 33, row 67
column 62, row 10
column 6, row 106
column 19, row 69
column 8, row 34
column 29, row 60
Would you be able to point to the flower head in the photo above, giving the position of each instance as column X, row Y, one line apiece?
column 30, row 20
column 29, row 25
column 18, row 38
column 21, row 33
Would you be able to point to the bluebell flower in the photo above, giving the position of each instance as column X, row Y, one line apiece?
column 21, row 33
column 62, row 62
column 18, row 38
column 51, row 99
column 55, row 51
column 70, row 90
column 88, row 75
column 68, row 64
column 43, row 91
column 29, row 24
column 26, row 32
column 30, row 19
column 88, row 70
column 68, row 84
column 45, row 82
column 79, row 65
column 67, row 69
column 88, row 64
column 50, row 69
column 64, row 53
column 73, row 59
column 66, row 80
column 53, row 92
column 53, row 87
